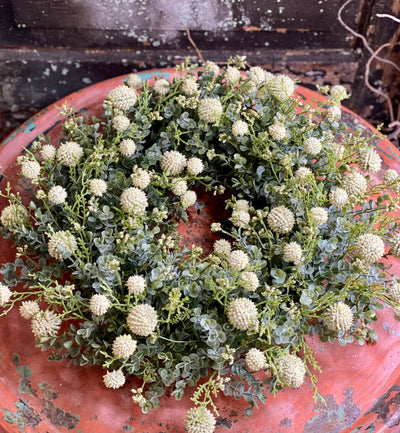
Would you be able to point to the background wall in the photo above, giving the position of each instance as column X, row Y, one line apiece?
column 49, row 48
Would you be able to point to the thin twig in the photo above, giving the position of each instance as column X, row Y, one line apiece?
column 373, row 89
column 193, row 44
column 358, row 35
column 388, row 16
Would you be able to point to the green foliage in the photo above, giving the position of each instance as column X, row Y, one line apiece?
column 191, row 291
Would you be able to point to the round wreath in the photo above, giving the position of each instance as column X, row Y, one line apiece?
column 105, row 279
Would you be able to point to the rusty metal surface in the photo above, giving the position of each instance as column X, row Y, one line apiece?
column 361, row 385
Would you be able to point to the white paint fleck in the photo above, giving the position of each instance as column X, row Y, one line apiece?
column 53, row 67
column 86, row 80
column 46, row 72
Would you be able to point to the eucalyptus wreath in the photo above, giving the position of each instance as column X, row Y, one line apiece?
column 103, row 277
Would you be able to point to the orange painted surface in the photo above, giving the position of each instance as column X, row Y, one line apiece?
column 361, row 384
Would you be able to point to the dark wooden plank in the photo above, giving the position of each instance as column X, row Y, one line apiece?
column 161, row 23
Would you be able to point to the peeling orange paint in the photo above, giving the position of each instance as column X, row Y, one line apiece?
column 251, row 29
column 303, row 30
column 281, row 30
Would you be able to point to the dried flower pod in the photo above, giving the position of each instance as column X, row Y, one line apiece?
column 303, row 175
column 319, row 216
column 369, row 247
column 124, row 346
column 188, row 199
column 57, row 195
column 257, row 75
column 69, row 153
column 59, row 242
column 98, row 187
column 209, row 110
column 395, row 246
column 291, row 370
column 312, row 146
column 134, row 201
column 14, row 215
column 255, row 360
column 122, row 97
column 238, row 260
column 369, row 160
column 394, row 292
column 194, row 166
column 211, row 68
column 334, row 113
column 190, row 86
column 114, row 379
column 338, row 317
column 293, row 252
column 28, row 309
column 281, row 220
column 339, row 198
column 173, row 162
column 5, row 294
column 232, row 75
column 242, row 313
column 99, row 304
column 161, row 86
column 140, row 178
column 249, row 281
column 241, row 205
column 222, row 247
column 338, row 93
column 30, row 169
column 355, row 185
column 240, row 218
column 120, row 123
column 390, row 177
column 142, row 320
column 179, row 186
column 48, row 152
column 199, row 420
column 133, row 81
column 127, row 147
column 281, row 86
column 45, row 324
column 277, row 131
column 240, row 128
column 136, row 284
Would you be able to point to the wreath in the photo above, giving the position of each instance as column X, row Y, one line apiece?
column 104, row 277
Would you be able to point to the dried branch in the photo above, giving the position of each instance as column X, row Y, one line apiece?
column 373, row 89
column 388, row 16
column 360, row 36
column 200, row 56
column 394, row 121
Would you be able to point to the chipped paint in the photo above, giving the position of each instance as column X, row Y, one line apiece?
column 390, row 329
column 332, row 417
column 387, row 407
column 23, row 417
column 44, row 396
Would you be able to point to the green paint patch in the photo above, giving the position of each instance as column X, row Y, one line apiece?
column 25, row 416
column 16, row 359
column 25, row 387
column 29, row 126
